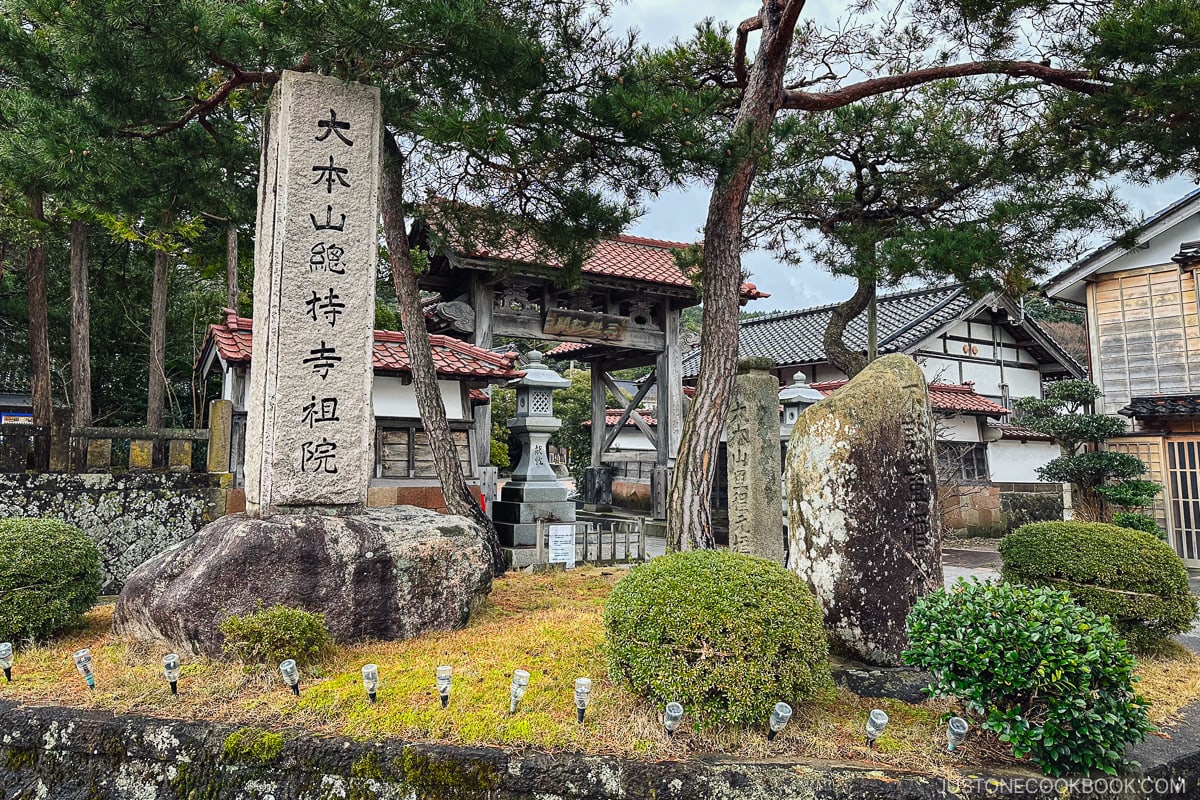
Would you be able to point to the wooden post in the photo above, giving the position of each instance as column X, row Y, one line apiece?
column 179, row 455
column 141, row 453
column 220, row 436
column 668, row 370
column 598, row 408
column 99, row 455
column 481, row 302
column 60, row 441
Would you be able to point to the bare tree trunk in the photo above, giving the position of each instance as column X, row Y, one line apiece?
column 420, row 356
column 81, row 343
column 39, row 331
column 231, row 267
column 158, row 343
column 873, row 323
column 840, row 356
column 688, row 513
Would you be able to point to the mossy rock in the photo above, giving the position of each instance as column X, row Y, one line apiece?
column 863, row 528
column 1132, row 577
column 252, row 746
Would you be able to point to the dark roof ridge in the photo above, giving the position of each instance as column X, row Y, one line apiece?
column 899, row 294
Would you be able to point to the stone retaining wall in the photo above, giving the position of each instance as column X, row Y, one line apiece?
column 67, row 754
column 131, row 516
column 993, row 509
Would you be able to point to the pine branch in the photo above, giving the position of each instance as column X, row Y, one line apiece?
column 200, row 109
column 1080, row 81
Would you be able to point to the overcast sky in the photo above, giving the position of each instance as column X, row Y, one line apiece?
column 679, row 215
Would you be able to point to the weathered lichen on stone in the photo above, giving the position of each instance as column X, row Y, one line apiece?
column 130, row 516
column 863, row 528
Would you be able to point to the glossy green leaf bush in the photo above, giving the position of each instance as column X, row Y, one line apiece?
column 271, row 635
column 49, row 576
column 1132, row 577
column 1047, row 676
column 725, row 634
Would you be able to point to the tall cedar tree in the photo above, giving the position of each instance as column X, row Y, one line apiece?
column 488, row 107
column 1102, row 52
column 926, row 183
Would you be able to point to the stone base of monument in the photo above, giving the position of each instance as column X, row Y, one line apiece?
column 388, row 573
column 522, row 505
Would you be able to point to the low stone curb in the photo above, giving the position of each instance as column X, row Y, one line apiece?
column 71, row 754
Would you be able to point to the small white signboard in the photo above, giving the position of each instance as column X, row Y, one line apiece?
column 562, row 544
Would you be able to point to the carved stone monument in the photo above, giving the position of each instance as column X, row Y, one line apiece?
column 533, row 492
column 309, row 421
column 753, row 459
column 308, row 540
column 862, row 507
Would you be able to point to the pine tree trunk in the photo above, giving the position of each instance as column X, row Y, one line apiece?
column 873, row 323
column 158, row 343
column 231, row 267
column 420, row 356
column 688, row 505
column 836, row 352
column 39, row 332
column 81, row 346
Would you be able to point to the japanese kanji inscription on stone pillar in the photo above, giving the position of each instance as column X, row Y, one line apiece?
column 309, row 423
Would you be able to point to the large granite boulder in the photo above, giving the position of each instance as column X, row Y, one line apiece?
column 388, row 573
column 862, row 507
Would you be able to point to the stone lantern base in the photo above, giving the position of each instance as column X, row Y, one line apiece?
column 522, row 505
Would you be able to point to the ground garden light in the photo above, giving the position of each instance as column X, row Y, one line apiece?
column 171, row 671
column 6, row 659
column 956, row 731
column 83, row 663
column 443, row 683
column 290, row 676
column 876, row 722
column 672, row 716
column 583, row 691
column 520, row 679
column 370, row 679
column 780, row 715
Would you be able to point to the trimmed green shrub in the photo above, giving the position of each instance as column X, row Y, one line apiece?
column 1133, row 578
column 1139, row 522
column 725, row 634
column 271, row 635
column 49, row 576
column 1047, row 676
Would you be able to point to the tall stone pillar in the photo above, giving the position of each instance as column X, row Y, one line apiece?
column 533, row 492
column 753, row 457
column 310, row 422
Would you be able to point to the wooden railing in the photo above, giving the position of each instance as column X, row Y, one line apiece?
column 62, row 448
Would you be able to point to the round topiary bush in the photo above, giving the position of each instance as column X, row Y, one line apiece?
column 1049, row 677
column 1130, row 576
column 726, row 635
column 49, row 576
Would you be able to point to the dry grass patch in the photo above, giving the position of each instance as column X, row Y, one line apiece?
column 549, row 624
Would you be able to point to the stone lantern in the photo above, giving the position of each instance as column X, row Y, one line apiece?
column 796, row 398
column 533, row 492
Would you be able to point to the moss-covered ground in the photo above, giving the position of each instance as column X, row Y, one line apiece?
column 549, row 624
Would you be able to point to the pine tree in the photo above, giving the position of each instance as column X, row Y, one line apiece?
column 924, row 184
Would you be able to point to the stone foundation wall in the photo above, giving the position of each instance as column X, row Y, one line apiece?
column 996, row 508
column 130, row 516
column 69, row 754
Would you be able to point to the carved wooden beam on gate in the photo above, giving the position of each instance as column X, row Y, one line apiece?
column 628, row 410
